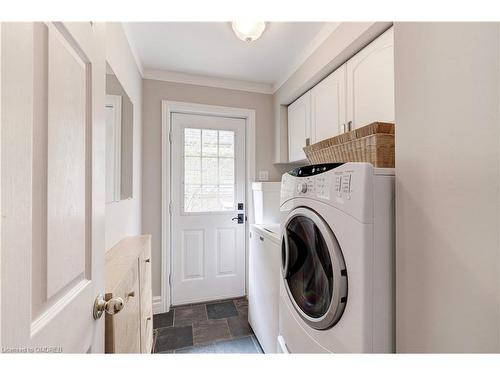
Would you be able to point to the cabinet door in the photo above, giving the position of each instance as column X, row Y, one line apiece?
column 299, row 127
column 370, row 82
column 328, row 106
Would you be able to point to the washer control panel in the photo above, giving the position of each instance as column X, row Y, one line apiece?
column 348, row 187
column 325, row 185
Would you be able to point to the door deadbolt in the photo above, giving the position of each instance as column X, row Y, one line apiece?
column 111, row 307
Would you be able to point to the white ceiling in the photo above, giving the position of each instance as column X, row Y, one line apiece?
column 211, row 48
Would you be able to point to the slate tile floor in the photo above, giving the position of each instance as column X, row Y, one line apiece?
column 212, row 327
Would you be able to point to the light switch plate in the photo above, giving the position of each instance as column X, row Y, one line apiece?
column 263, row 175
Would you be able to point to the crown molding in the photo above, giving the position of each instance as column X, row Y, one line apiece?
column 320, row 37
column 133, row 50
column 201, row 80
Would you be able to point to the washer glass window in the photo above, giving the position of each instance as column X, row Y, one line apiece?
column 309, row 269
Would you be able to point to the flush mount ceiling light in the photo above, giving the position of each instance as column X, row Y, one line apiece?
column 248, row 31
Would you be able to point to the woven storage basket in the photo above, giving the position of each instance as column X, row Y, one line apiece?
column 373, row 143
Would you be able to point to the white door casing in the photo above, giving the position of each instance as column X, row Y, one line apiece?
column 207, row 182
column 113, row 147
column 52, row 186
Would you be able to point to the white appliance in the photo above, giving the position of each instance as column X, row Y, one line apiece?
column 263, row 285
column 266, row 202
column 337, row 284
column 264, row 264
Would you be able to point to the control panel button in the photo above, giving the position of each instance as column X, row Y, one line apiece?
column 346, row 183
column 338, row 182
column 302, row 187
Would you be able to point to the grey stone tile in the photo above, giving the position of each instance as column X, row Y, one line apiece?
column 239, row 345
column 174, row 338
column 241, row 305
column 186, row 315
column 199, row 349
column 238, row 326
column 221, row 310
column 209, row 331
column 163, row 320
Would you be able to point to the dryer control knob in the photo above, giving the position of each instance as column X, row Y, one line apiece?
column 302, row 187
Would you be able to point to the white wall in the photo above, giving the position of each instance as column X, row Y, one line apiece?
column 447, row 186
column 124, row 218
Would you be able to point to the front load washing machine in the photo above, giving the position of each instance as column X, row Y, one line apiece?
column 337, row 260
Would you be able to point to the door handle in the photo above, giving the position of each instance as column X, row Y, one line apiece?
column 240, row 218
column 111, row 307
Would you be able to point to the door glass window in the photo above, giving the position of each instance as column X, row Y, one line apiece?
column 309, row 273
column 209, row 175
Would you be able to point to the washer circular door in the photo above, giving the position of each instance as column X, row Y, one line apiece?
column 313, row 269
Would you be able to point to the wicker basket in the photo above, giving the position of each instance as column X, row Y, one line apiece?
column 372, row 143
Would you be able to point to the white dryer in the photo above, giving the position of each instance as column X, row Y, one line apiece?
column 337, row 255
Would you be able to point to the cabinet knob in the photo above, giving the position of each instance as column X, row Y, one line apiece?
column 148, row 318
column 147, row 260
column 261, row 238
column 131, row 294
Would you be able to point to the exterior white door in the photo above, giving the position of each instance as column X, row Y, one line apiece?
column 52, row 186
column 208, row 185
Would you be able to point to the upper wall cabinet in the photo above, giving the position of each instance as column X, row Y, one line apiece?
column 299, row 127
column 328, row 102
column 356, row 94
column 370, row 82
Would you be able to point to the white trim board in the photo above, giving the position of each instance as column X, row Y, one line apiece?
column 169, row 107
column 133, row 50
column 157, row 305
column 193, row 79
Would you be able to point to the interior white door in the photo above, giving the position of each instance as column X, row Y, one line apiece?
column 328, row 106
column 52, row 186
column 370, row 83
column 207, row 185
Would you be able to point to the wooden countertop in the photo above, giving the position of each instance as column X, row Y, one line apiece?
column 121, row 257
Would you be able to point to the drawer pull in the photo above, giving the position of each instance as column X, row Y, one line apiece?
column 131, row 294
column 147, row 260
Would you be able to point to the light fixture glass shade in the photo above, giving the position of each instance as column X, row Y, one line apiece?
column 248, row 31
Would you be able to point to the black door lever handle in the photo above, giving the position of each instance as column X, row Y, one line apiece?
column 240, row 218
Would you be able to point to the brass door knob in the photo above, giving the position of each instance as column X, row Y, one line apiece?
column 111, row 307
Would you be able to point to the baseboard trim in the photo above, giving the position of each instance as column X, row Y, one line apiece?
column 157, row 305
